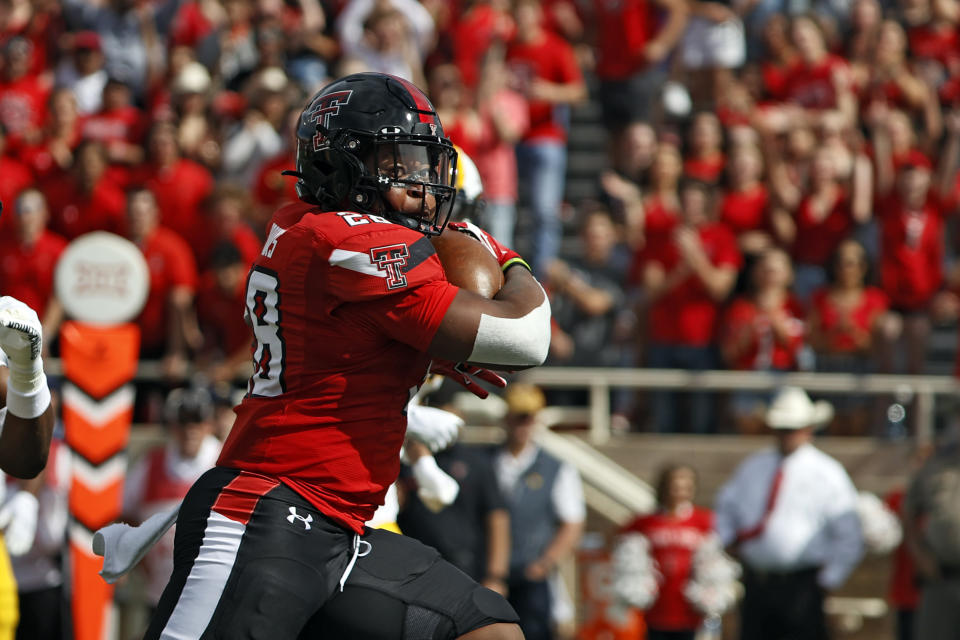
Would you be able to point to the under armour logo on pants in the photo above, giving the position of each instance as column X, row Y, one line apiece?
column 306, row 520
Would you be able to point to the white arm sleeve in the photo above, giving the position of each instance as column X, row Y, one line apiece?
column 567, row 495
column 514, row 341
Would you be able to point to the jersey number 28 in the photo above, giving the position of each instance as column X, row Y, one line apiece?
column 263, row 308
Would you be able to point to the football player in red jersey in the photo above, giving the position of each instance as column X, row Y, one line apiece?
column 349, row 304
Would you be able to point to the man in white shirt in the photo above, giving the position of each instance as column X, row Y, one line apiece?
column 790, row 515
column 547, row 511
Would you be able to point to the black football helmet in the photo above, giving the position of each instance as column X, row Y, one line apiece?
column 369, row 133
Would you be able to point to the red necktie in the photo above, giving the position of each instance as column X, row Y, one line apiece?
column 757, row 529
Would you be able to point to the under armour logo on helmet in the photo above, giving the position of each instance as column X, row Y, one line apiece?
column 306, row 520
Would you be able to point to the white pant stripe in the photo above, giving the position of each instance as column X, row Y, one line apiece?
column 208, row 577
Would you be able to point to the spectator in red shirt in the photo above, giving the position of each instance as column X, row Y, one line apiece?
column 168, row 326
column 85, row 198
column 911, row 208
column 545, row 71
column 817, row 86
column 674, row 532
column 23, row 94
column 53, row 152
column 228, row 213
column 762, row 331
column 179, row 185
column 745, row 205
column 704, row 158
column 861, row 39
column 652, row 219
column 221, row 299
column 932, row 33
column 893, row 80
column 28, row 257
column 826, row 215
column 686, row 280
column 779, row 56
column 119, row 125
column 849, row 323
column 16, row 177
column 820, row 81
column 482, row 24
column 633, row 39
column 851, row 330
column 634, row 153
column 486, row 124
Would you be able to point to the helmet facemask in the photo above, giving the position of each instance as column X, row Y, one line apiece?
column 408, row 178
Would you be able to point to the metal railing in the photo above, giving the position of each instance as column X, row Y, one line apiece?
column 599, row 382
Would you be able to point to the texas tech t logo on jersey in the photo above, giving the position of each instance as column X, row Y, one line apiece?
column 391, row 259
column 323, row 108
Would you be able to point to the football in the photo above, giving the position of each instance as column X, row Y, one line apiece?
column 467, row 263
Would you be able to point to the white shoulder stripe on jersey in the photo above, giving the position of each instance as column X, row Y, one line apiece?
column 355, row 261
column 207, row 579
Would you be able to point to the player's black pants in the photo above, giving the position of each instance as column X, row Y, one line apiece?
column 253, row 560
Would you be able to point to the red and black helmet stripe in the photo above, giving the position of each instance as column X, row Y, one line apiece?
column 424, row 108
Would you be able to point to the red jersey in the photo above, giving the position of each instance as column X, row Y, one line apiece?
column 812, row 87
column 171, row 264
column 623, row 29
column 911, row 252
column 765, row 351
column 551, row 59
column 344, row 306
column 687, row 314
column 74, row 212
column 838, row 325
column 26, row 273
column 744, row 211
column 817, row 239
column 673, row 541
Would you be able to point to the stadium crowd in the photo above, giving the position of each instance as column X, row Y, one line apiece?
column 777, row 195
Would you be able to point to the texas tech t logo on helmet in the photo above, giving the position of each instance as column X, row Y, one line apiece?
column 391, row 259
column 324, row 107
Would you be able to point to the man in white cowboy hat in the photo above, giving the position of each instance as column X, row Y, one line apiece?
column 789, row 513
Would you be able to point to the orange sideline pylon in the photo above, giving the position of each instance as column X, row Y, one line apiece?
column 99, row 363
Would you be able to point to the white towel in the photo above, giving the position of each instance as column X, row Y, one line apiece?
column 123, row 546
